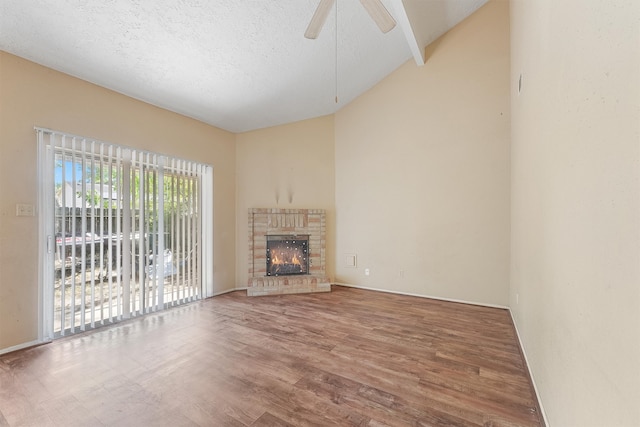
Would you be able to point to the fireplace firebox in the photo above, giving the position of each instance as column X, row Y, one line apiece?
column 287, row 255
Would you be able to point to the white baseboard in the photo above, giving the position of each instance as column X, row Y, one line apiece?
column 422, row 296
column 22, row 346
column 526, row 362
column 227, row 291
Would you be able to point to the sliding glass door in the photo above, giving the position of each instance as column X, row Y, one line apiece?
column 125, row 232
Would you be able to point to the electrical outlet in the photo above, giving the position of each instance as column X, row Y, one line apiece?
column 366, row 271
column 401, row 274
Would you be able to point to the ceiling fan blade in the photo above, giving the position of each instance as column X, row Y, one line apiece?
column 318, row 18
column 379, row 14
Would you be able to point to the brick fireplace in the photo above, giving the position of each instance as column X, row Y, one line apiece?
column 287, row 224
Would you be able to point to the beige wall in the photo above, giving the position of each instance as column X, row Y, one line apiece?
column 31, row 95
column 422, row 170
column 575, row 270
column 287, row 167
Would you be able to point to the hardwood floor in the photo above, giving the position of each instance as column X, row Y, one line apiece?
column 349, row 357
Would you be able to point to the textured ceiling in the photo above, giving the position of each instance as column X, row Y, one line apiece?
column 236, row 64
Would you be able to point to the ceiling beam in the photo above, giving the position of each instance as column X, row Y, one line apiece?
column 402, row 15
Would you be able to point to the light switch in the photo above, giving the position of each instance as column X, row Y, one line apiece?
column 25, row 210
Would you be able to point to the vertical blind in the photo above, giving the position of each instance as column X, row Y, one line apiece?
column 124, row 231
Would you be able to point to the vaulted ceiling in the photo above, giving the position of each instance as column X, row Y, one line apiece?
column 235, row 64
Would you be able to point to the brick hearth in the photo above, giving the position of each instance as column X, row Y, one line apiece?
column 264, row 222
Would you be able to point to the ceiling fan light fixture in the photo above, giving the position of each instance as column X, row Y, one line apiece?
column 317, row 21
column 379, row 14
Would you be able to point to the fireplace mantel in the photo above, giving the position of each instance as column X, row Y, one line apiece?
column 265, row 222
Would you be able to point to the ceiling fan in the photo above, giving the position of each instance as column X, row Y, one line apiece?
column 375, row 8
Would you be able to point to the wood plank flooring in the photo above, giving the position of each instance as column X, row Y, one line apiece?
column 349, row 357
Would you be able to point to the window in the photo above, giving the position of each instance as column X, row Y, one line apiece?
column 125, row 232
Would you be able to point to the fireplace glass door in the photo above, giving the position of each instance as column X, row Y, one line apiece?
column 287, row 255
